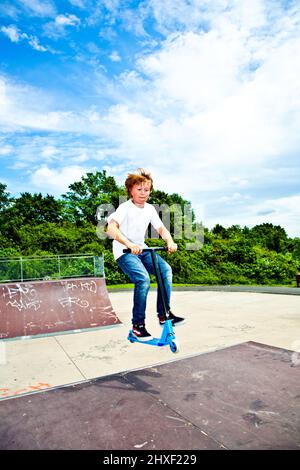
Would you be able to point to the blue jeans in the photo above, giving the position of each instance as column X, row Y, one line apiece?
column 138, row 267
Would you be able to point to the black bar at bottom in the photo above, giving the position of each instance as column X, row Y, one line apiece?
column 154, row 248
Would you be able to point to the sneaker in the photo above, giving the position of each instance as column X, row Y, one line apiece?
column 175, row 320
column 141, row 333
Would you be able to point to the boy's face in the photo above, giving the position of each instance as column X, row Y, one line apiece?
column 140, row 193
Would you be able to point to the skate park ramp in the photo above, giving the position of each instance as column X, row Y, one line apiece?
column 245, row 396
column 47, row 307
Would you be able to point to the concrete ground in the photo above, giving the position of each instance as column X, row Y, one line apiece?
column 214, row 320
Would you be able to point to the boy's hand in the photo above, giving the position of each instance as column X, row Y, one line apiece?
column 172, row 247
column 135, row 249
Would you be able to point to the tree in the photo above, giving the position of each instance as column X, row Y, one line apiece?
column 5, row 198
column 220, row 230
column 270, row 236
column 86, row 195
column 180, row 212
column 28, row 209
column 34, row 208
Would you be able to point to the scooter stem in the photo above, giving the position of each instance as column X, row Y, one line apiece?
column 160, row 284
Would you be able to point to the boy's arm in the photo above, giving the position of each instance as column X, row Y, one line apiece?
column 165, row 235
column 115, row 233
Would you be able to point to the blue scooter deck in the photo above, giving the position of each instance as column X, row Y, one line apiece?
column 167, row 338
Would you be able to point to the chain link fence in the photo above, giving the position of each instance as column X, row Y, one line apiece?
column 51, row 267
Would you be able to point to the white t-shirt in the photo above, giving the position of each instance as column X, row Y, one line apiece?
column 133, row 222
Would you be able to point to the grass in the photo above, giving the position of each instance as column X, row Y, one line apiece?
column 153, row 284
column 131, row 286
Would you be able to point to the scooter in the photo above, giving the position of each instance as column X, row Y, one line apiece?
column 167, row 337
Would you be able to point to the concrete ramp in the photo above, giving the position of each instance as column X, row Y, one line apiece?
column 243, row 397
column 48, row 307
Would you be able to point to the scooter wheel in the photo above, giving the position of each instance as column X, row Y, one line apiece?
column 174, row 346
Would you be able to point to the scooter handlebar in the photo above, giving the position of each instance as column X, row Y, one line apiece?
column 152, row 248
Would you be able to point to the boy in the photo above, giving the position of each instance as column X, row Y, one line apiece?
column 127, row 226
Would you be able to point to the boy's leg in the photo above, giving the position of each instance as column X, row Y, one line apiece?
column 134, row 268
column 166, row 274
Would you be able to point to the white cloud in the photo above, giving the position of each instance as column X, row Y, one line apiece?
column 78, row 3
column 25, row 107
column 82, row 156
column 34, row 43
column 6, row 150
column 283, row 211
column 194, row 70
column 56, row 181
column 67, row 20
column 115, row 57
column 8, row 10
column 58, row 27
column 49, row 152
column 236, row 198
column 15, row 35
column 175, row 14
column 11, row 32
column 17, row 165
column 42, row 8
column 4, row 100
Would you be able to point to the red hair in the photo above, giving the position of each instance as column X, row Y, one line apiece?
column 140, row 176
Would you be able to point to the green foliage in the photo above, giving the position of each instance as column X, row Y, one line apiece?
column 180, row 212
column 33, row 224
column 5, row 198
column 295, row 249
column 34, row 208
column 81, row 202
column 270, row 236
column 113, row 273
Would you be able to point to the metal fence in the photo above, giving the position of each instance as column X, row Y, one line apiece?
column 51, row 267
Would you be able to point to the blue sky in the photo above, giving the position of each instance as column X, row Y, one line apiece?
column 204, row 93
